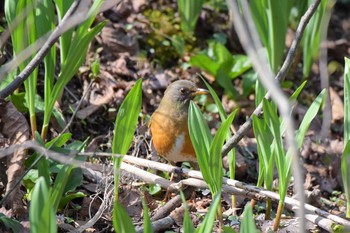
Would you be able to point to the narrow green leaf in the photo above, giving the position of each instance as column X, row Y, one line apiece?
column 241, row 63
column 248, row 224
column 10, row 223
column 208, row 222
column 187, row 224
column 67, row 198
column 123, row 221
column 59, row 142
column 347, row 100
column 309, row 116
column 147, row 224
column 124, row 129
column 59, row 185
column 215, row 159
column 65, row 40
column 266, row 157
column 126, row 121
column 271, row 19
column 228, row 230
column 345, row 161
column 201, row 139
column 296, row 93
column 74, row 58
column 311, row 39
column 41, row 214
column 273, row 122
column 292, row 99
column 189, row 13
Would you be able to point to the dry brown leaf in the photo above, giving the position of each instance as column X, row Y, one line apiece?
column 337, row 106
column 14, row 127
column 116, row 40
column 102, row 93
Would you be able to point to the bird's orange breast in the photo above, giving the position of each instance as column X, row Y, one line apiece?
column 171, row 138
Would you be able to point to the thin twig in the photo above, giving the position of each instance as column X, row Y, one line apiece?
column 104, row 205
column 241, row 187
column 196, row 179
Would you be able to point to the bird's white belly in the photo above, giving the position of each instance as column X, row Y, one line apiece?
column 175, row 153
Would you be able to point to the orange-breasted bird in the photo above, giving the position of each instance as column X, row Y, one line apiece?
column 169, row 123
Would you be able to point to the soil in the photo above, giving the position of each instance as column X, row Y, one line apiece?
column 128, row 49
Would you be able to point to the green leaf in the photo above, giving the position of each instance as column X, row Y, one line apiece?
column 345, row 162
column 59, row 185
column 126, row 121
column 208, row 222
column 18, row 100
column 201, row 139
column 222, row 77
column 241, row 63
column 67, row 198
column 296, row 93
column 292, row 99
column 10, row 223
column 41, row 213
column 147, row 224
column 69, row 67
column 273, row 122
column 249, row 81
column 223, row 116
column 217, row 101
column 309, row 116
column 65, row 40
column 260, row 92
column 248, row 224
column 59, row 142
column 75, row 180
column 123, row 221
column 222, row 55
column 311, row 39
column 124, row 129
column 220, row 63
column 228, row 230
column 187, row 224
column 189, row 13
column 30, row 178
column 266, row 157
column 154, row 189
column 205, row 62
column 271, row 19
column 347, row 100
column 178, row 42
column 215, row 159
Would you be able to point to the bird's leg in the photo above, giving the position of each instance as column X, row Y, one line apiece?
column 178, row 171
column 194, row 165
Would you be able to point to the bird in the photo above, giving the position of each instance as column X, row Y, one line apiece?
column 169, row 123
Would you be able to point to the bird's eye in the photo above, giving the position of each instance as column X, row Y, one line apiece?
column 182, row 90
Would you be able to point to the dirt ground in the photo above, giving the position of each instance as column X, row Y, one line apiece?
column 129, row 48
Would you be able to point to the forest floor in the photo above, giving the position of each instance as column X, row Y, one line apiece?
column 131, row 46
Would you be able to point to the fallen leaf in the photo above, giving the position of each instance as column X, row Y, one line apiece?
column 337, row 106
column 15, row 128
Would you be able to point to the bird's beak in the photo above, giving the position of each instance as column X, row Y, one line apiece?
column 200, row 91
